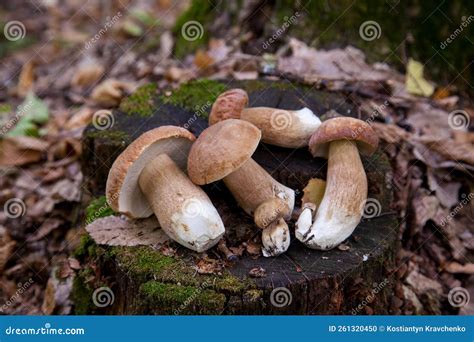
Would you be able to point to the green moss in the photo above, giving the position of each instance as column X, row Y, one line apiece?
column 87, row 247
column 81, row 295
column 98, row 208
column 232, row 284
column 141, row 102
column 182, row 299
column 196, row 96
column 109, row 134
column 253, row 295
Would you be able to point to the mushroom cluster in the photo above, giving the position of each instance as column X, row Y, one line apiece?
column 150, row 175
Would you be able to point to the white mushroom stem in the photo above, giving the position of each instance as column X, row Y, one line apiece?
column 275, row 239
column 343, row 203
column 183, row 209
column 286, row 128
column 251, row 185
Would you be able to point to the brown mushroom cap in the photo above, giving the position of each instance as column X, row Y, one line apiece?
column 122, row 189
column 228, row 105
column 343, row 128
column 221, row 149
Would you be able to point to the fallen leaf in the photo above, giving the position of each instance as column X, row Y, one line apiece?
column 26, row 78
column 87, row 73
column 7, row 246
column 454, row 267
column 258, row 272
column 31, row 113
column 208, row 266
column 110, row 92
column 202, row 60
column 119, row 231
column 422, row 284
column 20, row 150
column 46, row 227
column 415, row 83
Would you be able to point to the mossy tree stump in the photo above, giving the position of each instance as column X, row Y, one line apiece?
column 145, row 281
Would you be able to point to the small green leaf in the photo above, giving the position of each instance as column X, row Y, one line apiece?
column 31, row 113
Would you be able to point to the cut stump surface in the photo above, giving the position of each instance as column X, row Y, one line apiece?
column 358, row 280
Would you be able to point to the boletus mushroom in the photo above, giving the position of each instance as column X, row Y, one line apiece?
column 224, row 151
column 285, row 128
column 147, row 178
column 340, row 140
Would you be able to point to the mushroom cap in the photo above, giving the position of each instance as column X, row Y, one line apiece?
column 228, row 105
column 221, row 149
column 123, row 191
column 341, row 128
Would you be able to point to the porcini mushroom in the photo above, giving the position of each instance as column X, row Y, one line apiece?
column 285, row 128
column 147, row 178
column 223, row 151
column 340, row 211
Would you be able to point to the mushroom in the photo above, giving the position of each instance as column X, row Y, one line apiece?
column 147, row 178
column 285, row 128
column 223, row 151
column 340, row 211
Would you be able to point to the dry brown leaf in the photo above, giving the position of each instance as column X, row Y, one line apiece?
column 451, row 150
column 7, row 246
column 314, row 192
column 46, row 227
column 88, row 72
column 26, row 78
column 109, row 92
column 79, row 119
column 208, row 266
column 454, row 267
column 202, row 60
column 390, row 133
column 118, row 231
column 422, row 284
column 21, row 150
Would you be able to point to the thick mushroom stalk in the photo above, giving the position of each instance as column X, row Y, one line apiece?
column 147, row 178
column 343, row 203
column 340, row 211
column 182, row 208
column 275, row 239
column 280, row 127
column 223, row 151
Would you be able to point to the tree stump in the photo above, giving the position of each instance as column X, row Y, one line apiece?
column 358, row 280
